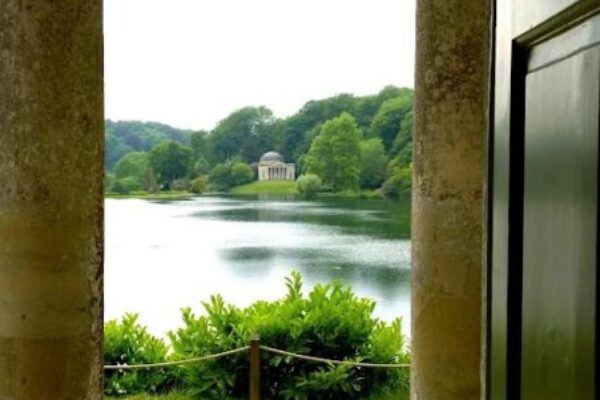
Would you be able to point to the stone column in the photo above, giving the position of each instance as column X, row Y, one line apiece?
column 448, row 224
column 51, row 200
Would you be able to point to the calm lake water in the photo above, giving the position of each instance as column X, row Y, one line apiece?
column 162, row 256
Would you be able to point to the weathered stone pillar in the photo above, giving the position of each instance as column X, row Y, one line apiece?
column 452, row 72
column 51, row 222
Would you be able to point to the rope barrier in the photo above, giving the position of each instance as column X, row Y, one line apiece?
column 329, row 361
column 174, row 363
column 246, row 348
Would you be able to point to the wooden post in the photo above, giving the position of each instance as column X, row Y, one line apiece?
column 255, row 368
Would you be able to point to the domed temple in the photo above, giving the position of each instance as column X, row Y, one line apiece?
column 271, row 167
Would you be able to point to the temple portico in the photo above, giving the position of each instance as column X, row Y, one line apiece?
column 272, row 168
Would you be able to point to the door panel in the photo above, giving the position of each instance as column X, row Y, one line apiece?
column 529, row 15
column 544, row 198
column 560, row 225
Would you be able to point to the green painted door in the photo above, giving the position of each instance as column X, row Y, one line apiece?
column 543, row 325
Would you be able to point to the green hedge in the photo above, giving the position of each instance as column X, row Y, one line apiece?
column 331, row 322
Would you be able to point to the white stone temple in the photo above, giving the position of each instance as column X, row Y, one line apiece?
column 272, row 168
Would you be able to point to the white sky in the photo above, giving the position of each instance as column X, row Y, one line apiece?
column 189, row 63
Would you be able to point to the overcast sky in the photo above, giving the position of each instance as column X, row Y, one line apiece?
column 189, row 63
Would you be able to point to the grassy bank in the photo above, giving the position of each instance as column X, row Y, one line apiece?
column 288, row 187
column 266, row 187
column 171, row 195
column 358, row 194
column 259, row 187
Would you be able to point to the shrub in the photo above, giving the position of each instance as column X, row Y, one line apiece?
column 330, row 322
column 109, row 180
column 180, row 185
column 229, row 174
column 126, row 185
column 241, row 173
column 309, row 185
column 127, row 342
column 199, row 184
column 399, row 183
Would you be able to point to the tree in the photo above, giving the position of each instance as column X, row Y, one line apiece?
column 229, row 174
column 399, row 183
column 373, row 163
column 170, row 161
column 309, row 185
column 240, row 173
column 125, row 185
column 246, row 133
column 388, row 120
column 335, row 153
column 402, row 148
column 132, row 165
column 123, row 137
column 369, row 105
column 198, row 144
column 199, row 184
column 300, row 127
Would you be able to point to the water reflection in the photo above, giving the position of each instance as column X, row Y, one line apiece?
column 164, row 256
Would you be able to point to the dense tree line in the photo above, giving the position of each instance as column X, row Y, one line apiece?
column 124, row 137
column 348, row 142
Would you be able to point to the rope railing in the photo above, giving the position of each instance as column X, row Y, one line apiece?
column 179, row 362
column 330, row 361
column 246, row 348
column 255, row 360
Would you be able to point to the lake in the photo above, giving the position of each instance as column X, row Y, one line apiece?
column 162, row 256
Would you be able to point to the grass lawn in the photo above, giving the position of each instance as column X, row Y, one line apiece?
column 171, row 195
column 266, row 187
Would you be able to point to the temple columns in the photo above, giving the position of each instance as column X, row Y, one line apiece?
column 51, row 199
column 448, row 223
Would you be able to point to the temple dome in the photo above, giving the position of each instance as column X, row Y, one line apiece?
column 271, row 156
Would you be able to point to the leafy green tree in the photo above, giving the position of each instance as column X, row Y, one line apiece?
column 335, row 153
column 134, row 165
column 402, row 147
column 241, row 173
column 114, row 151
column 170, row 161
column 198, row 144
column 373, row 163
column 299, row 128
column 126, row 185
column 199, row 184
column 369, row 105
column 229, row 174
column 388, row 120
column 201, row 166
column 399, row 182
column 124, row 137
column 109, row 179
column 246, row 133
column 309, row 185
